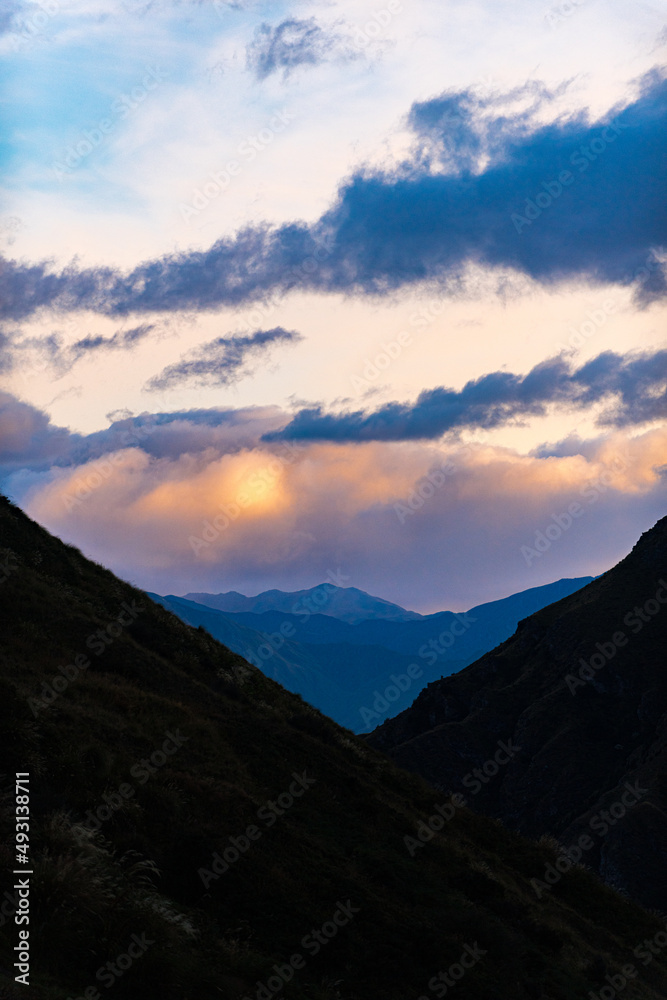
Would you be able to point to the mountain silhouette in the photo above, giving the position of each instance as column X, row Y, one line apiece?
column 582, row 687
column 346, row 603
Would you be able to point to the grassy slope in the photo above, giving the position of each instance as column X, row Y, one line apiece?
column 246, row 736
column 580, row 741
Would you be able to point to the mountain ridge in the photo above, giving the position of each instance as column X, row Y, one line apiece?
column 338, row 666
column 582, row 686
column 349, row 604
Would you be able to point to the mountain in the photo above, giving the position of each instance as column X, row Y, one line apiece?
column 359, row 673
column 346, row 603
column 581, row 687
column 337, row 677
column 196, row 832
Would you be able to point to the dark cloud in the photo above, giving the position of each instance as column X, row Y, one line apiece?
column 38, row 353
column 462, row 131
column 294, row 42
column 6, row 351
column 27, row 436
column 121, row 340
column 25, row 288
column 222, row 361
column 500, row 201
column 28, row 439
column 634, row 387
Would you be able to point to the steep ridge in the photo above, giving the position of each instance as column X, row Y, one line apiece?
column 197, row 832
column 581, row 687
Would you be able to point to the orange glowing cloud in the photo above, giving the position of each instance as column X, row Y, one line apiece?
column 285, row 513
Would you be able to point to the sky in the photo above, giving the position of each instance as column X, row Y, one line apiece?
column 368, row 292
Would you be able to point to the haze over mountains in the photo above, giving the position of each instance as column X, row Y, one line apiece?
column 581, row 687
column 356, row 657
column 182, row 800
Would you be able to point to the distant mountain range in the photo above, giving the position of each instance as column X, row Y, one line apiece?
column 346, row 603
column 581, row 687
column 358, row 658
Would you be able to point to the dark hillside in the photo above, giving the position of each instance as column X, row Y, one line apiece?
column 581, row 687
column 152, row 749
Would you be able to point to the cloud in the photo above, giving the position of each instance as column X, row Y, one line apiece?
column 30, row 441
column 8, row 12
column 121, row 340
column 464, row 131
column 7, row 341
column 18, row 352
column 276, row 516
column 223, row 361
column 26, row 288
column 633, row 386
column 185, row 432
column 27, row 436
column 571, row 200
column 291, row 43
column 135, row 495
